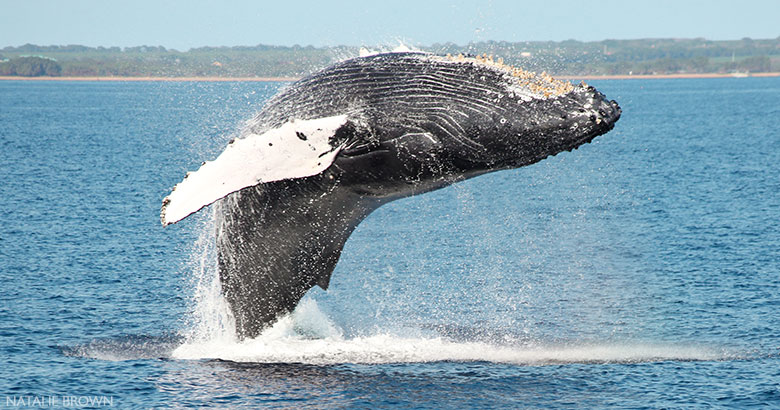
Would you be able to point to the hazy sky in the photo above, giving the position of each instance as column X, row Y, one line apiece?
column 183, row 24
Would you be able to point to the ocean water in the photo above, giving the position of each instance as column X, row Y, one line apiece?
column 640, row 271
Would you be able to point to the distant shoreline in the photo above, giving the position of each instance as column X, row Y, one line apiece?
column 153, row 79
column 288, row 79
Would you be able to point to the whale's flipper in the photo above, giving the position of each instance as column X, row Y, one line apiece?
column 296, row 149
column 277, row 240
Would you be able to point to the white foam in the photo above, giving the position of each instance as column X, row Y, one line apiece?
column 307, row 336
column 392, row 349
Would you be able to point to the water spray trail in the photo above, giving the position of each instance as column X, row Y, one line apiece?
column 211, row 319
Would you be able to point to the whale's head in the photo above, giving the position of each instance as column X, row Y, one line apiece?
column 525, row 132
column 424, row 121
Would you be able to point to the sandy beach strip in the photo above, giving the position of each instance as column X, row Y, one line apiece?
column 288, row 79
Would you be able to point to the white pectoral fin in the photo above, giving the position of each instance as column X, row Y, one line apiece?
column 297, row 149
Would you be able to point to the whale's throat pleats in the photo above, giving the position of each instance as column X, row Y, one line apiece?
column 277, row 240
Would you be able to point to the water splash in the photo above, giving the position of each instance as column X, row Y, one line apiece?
column 308, row 336
column 400, row 48
column 211, row 318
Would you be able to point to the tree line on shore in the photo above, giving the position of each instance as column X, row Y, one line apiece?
column 608, row 57
column 30, row 67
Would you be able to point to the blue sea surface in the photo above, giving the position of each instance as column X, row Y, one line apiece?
column 639, row 271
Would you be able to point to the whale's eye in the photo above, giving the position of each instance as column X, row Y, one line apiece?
column 502, row 121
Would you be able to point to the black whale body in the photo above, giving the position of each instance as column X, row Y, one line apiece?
column 413, row 123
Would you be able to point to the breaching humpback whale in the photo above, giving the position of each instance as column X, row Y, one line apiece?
column 328, row 150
